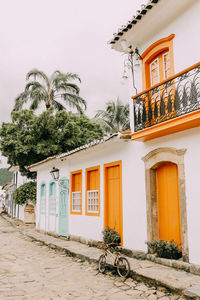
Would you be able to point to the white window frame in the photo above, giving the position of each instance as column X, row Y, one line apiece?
column 151, row 70
column 73, row 198
column 91, row 201
column 155, row 96
column 165, row 54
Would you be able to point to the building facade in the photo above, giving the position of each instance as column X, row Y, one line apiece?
column 145, row 187
column 14, row 210
column 161, row 43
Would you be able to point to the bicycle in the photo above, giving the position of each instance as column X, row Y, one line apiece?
column 120, row 262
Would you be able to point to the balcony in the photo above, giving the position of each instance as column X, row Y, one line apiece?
column 169, row 106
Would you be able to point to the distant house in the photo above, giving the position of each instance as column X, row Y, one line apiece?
column 2, row 199
column 13, row 209
column 144, row 183
column 9, row 189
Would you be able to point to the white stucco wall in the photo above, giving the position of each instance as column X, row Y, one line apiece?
column 133, row 192
column 19, row 213
column 185, row 25
column 190, row 140
column 186, row 46
column 91, row 227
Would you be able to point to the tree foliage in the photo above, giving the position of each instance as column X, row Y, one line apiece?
column 115, row 117
column 30, row 138
column 25, row 193
column 5, row 176
column 52, row 91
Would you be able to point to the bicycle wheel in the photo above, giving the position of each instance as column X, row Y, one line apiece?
column 123, row 266
column 102, row 263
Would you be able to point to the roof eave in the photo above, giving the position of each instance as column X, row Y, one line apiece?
column 131, row 24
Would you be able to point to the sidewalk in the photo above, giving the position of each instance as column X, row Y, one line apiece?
column 181, row 282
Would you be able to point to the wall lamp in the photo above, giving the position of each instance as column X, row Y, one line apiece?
column 137, row 53
column 55, row 173
column 129, row 61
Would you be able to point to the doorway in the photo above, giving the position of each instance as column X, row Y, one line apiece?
column 113, row 197
column 63, row 206
column 169, row 220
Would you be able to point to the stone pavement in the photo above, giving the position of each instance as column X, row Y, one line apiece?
column 53, row 274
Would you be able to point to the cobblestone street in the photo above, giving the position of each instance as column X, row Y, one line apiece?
column 31, row 271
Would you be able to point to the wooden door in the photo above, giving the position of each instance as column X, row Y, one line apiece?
column 63, row 206
column 169, row 220
column 113, row 197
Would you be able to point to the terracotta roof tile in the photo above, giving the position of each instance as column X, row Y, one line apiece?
column 139, row 15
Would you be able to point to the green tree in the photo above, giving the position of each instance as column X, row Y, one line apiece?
column 115, row 117
column 25, row 193
column 5, row 176
column 51, row 90
column 30, row 138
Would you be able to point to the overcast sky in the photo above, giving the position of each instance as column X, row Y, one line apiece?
column 70, row 36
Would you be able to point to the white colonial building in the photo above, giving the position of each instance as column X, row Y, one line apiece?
column 14, row 210
column 143, row 183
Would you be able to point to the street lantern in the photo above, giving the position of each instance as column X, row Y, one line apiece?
column 129, row 62
column 55, row 173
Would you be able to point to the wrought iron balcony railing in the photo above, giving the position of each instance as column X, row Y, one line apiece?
column 176, row 96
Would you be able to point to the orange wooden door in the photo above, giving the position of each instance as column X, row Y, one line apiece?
column 113, row 197
column 169, row 220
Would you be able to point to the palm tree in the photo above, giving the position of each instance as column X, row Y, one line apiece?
column 115, row 117
column 51, row 90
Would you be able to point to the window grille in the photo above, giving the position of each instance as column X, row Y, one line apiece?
column 93, row 201
column 76, row 201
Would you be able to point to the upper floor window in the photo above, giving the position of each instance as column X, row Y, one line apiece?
column 158, row 62
column 159, row 68
column 92, row 191
column 76, row 192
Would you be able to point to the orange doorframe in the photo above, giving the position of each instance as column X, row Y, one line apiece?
column 106, row 212
column 169, row 220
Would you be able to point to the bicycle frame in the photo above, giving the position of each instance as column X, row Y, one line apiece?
column 114, row 255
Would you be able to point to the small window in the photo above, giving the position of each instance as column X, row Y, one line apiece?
column 76, row 192
column 92, row 191
column 76, row 201
column 93, row 201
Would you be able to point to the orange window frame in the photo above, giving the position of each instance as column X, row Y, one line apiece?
column 157, row 49
column 97, row 187
column 72, row 174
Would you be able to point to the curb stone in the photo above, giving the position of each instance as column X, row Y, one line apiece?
column 138, row 273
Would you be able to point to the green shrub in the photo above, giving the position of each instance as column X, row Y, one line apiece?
column 25, row 193
column 111, row 236
column 164, row 249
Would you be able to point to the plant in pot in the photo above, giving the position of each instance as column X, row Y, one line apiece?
column 164, row 249
column 110, row 235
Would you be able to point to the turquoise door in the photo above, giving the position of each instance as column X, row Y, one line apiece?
column 63, row 206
